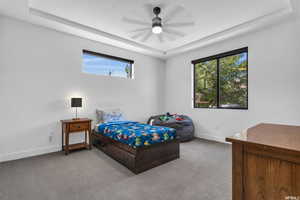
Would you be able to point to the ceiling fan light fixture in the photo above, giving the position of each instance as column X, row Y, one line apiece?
column 156, row 29
column 159, row 27
column 156, row 21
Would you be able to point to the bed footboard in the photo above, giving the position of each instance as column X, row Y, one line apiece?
column 137, row 159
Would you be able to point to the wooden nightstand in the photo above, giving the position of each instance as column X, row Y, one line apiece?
column 73, row 126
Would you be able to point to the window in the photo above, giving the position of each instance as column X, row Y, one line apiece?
column 221, row 81
column 101, row 64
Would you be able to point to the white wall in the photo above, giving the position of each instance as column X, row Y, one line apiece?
column 40, row 70
column 274, row 82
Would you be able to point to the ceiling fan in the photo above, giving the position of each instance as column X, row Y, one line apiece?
column 162, row 28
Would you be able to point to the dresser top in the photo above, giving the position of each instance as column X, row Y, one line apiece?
column 273, row 135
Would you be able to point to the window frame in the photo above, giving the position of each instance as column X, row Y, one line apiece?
column 112, row 58
column 218, row 57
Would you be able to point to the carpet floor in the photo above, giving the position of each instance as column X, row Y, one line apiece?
column 203, row 172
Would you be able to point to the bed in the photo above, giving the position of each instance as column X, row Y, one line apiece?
column 137, row 146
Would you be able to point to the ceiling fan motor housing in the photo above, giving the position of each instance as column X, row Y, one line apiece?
column 156, row 21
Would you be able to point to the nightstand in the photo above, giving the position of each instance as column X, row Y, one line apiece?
column 73, row 126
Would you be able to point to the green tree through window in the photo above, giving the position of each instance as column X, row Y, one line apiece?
column 206, row 84
column 221, row 81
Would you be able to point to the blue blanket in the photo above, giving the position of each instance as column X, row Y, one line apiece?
column 136, row 134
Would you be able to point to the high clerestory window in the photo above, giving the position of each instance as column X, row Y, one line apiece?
column 106, row 65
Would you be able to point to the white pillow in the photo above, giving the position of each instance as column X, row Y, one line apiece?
column 114, row 116
column 103, row 113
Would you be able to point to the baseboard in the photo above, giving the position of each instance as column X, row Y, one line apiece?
column 29, row 153
column 212, row 138
column 55, row 148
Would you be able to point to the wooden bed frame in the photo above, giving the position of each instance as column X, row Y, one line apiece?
column 137, row 159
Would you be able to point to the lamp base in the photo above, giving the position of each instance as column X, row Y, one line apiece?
column 76, row 119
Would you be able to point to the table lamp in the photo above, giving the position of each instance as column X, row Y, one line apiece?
column 76, row 103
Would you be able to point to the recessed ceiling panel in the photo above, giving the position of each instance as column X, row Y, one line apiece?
column 186, row 24
column 182, row 21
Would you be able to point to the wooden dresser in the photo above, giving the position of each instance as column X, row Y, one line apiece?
column 266, row 163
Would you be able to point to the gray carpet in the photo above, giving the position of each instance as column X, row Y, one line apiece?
column 202, row 173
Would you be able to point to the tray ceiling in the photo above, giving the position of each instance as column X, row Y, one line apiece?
column 119, row 22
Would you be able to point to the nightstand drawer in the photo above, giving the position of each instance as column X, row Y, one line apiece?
column 75, row 127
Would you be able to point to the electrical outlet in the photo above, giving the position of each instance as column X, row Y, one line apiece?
column 51, row 135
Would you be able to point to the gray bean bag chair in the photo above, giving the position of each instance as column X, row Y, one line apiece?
column 185, row 129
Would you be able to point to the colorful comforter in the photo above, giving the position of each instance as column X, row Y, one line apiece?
column 136, row 134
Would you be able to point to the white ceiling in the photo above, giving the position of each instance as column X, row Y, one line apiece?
column 105, row 20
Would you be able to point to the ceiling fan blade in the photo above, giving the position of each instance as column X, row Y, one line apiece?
column 170, row 31
column 180, row 24
column 173, row 13
column 169, row 36
column 137, row 35
column 140, row 29
column 147, row 36
column 135, row 21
